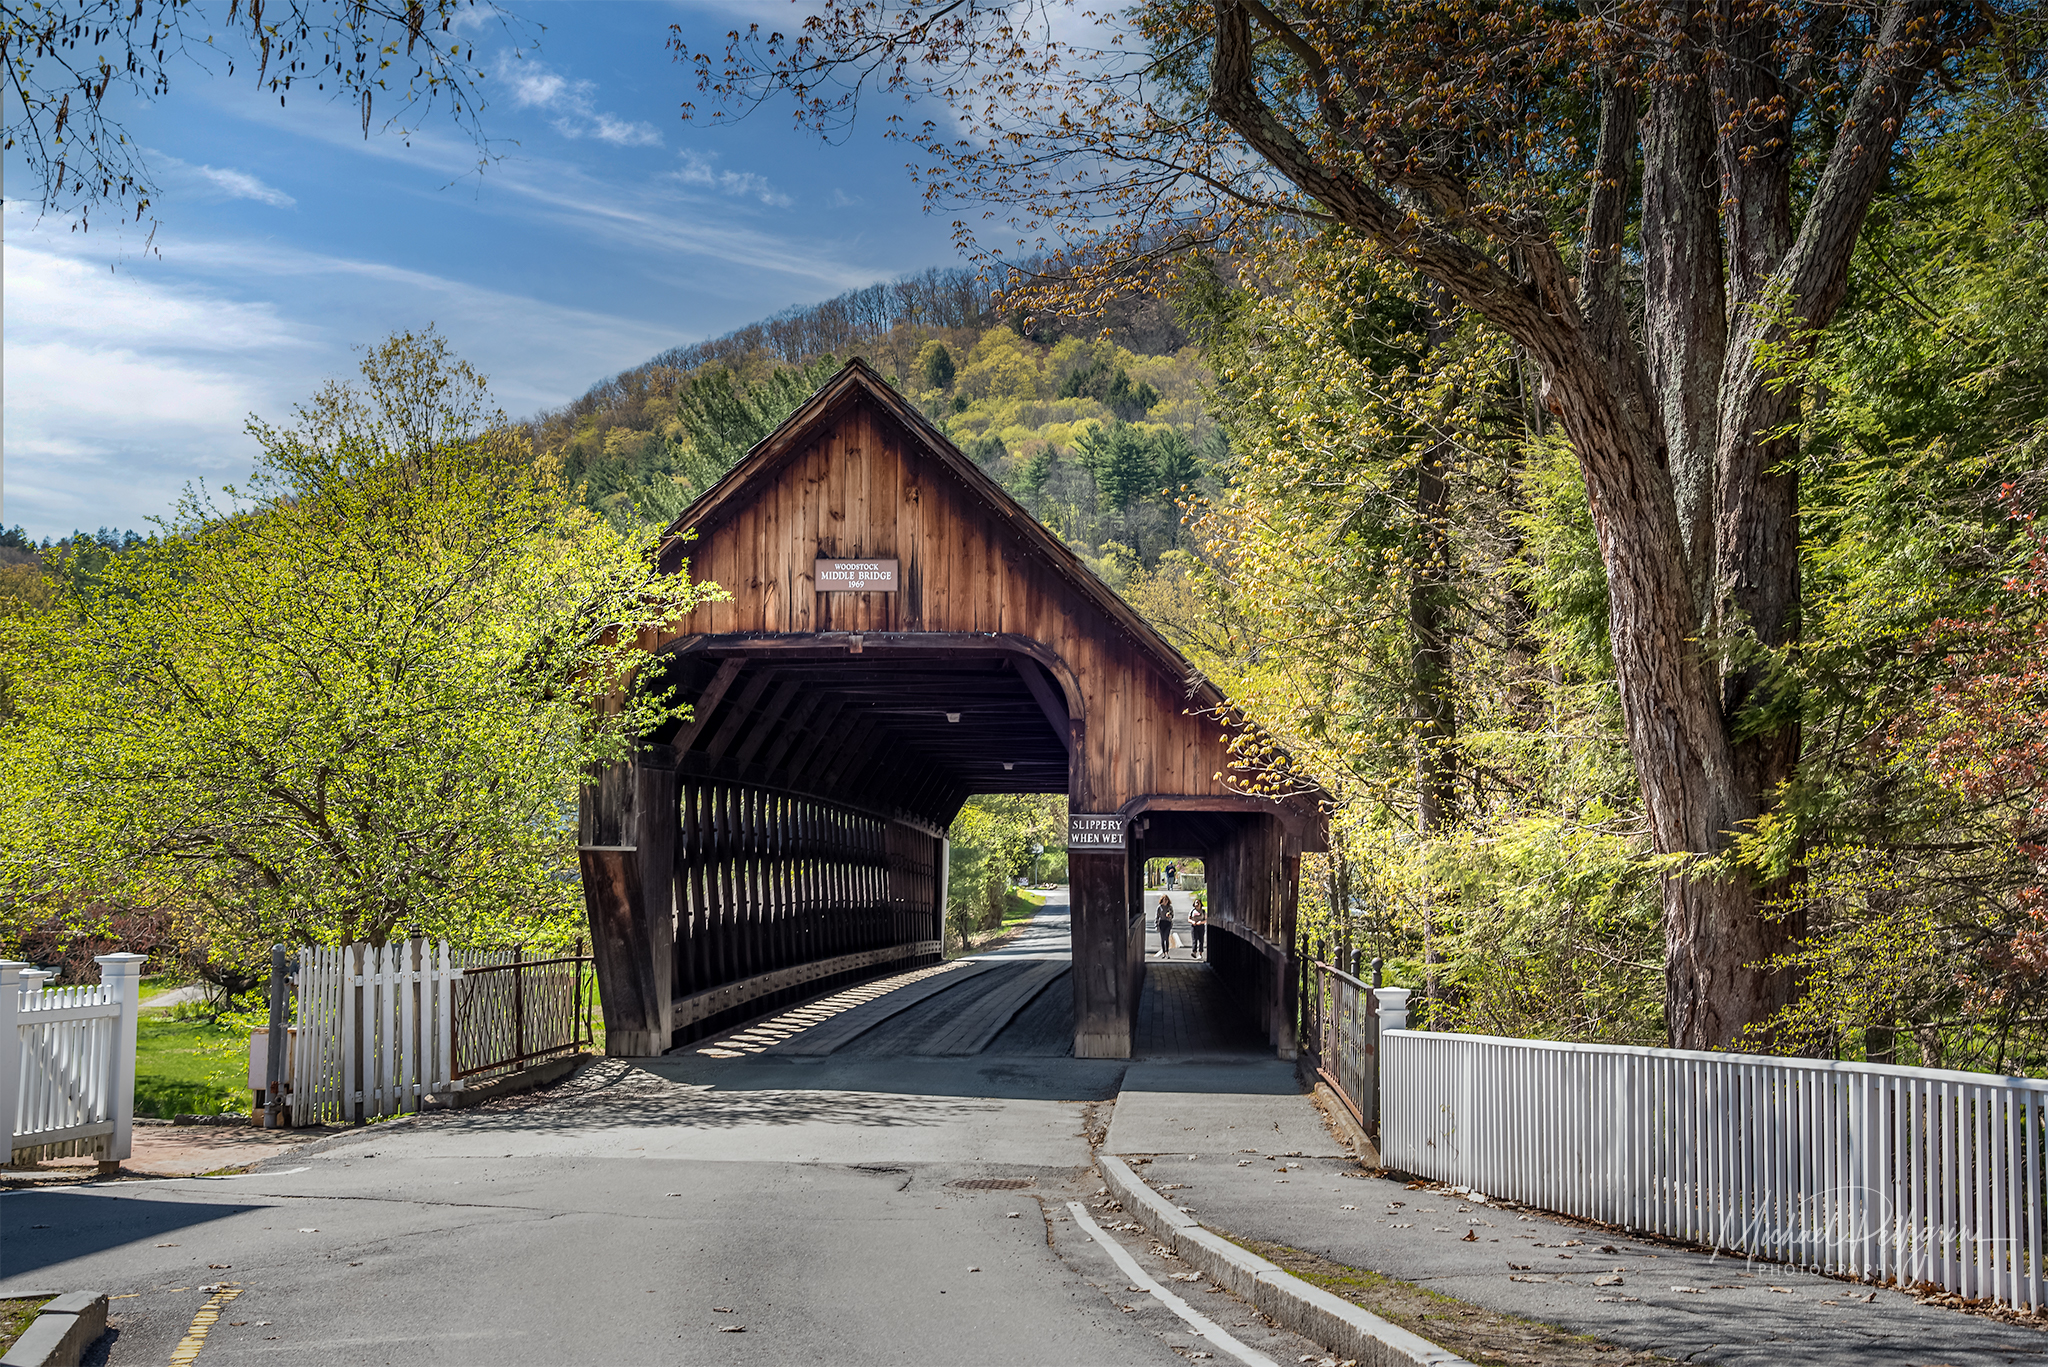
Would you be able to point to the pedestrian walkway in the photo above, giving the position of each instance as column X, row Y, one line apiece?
column 1049, row 934
column 1258, row 1165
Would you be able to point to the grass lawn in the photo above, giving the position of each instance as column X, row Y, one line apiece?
column 1019, row 906
column 16, row 1317
column 189, row 1067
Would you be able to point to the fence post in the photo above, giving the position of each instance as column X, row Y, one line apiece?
column 1393, row 1002
column 122, row 976
column 10, row 1050
column 273, row 1047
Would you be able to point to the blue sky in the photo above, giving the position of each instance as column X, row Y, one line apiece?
column 609, row 230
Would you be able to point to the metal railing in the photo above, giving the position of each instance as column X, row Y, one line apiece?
column 1340, row 1030
column 1869, row 1171
column 511, row 1014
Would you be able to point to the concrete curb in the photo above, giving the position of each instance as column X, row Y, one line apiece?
column 526, row 1080
column 1344, row 1127
column 1310, row 1311
column 67, row 1326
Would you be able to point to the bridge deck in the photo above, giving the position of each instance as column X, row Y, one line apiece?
column 1016, row 1001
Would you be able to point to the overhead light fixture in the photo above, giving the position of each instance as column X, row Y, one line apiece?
column 1008, row 765
column 952, row 716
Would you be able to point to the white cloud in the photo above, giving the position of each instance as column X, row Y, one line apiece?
column 576, row 112
column 698, row 170
column 221, row 180
column 640, row 213
column 123, row 386
column 242, row 185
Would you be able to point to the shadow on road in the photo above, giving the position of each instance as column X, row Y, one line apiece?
column 39, row 1229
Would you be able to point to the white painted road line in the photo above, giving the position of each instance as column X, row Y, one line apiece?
column 1199, row 1322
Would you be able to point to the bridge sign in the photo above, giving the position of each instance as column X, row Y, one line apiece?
column 1104, row 831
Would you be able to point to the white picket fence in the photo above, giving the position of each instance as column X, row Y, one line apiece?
column 1880, row 1173
column 67, row 1061
column 373, row 1031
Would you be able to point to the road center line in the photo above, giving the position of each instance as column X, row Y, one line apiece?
column 1199, row 1322
column 202, row 1325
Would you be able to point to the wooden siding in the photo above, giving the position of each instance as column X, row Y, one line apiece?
column 865, row 488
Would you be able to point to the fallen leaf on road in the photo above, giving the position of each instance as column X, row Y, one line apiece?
column 732, row 1328
column 723, row 1310
column 974, row 1269
column 1688, row 1290
column 1185, row 1276
column 1626, row 1300
column 1613, row 1279
column 1471, row 1237
column 1538, row 1277
column 220, row 1267
column 1518, row 1267
column 303, row 1231
column 1609, row 1248
column 166, row 1245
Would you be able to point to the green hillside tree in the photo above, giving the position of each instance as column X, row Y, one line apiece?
column 350, row 702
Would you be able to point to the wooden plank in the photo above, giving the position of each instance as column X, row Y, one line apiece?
column 807, row 710
column 977, row 1025
column 771, row 715
column 738, row 715
column 842, row 1029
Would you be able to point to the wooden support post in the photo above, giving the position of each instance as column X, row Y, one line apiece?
column 1098, row 883
column 629, row 886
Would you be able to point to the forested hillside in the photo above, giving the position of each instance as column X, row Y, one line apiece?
column 1097, row 425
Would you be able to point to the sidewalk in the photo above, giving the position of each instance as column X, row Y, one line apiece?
column 177, row 1151
column 1256, row 1162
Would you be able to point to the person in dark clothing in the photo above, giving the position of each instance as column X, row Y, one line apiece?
column 1165, row 924
column 1172, row 874
column 1198, row 925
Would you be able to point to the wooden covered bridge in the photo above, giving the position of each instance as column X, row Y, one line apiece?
column 901, row 635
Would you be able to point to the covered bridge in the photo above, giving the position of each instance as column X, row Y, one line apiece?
column 901, row 634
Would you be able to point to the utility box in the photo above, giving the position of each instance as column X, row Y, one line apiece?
column 259, row 1058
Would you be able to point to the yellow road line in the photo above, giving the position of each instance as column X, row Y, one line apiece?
column 202, row 1325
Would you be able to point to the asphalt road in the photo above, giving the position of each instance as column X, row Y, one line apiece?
column 698, row 1209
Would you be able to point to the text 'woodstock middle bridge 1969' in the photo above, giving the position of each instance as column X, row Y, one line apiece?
column 901, row 634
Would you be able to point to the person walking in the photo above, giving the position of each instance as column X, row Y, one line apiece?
column 1165, row 924
column 1198, row 925
column 1172, row 874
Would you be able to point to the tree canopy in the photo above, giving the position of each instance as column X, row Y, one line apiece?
column 63, row 57
column 350, row 701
